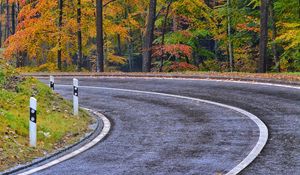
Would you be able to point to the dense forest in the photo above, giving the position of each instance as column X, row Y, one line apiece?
column 152, row 35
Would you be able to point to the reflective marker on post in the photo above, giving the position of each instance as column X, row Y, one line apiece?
column 52, row 82
column 75, row 96
column 32, row 122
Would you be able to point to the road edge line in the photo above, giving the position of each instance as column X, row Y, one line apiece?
column 101, row 136
column 263, row 136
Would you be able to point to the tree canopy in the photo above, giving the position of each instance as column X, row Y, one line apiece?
column 218, row 35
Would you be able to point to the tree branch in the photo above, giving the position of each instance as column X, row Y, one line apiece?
column 106, row 4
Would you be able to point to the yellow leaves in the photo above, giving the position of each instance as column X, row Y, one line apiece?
column 112, row 30
column 195, row 10
column 291, row 25
column 114, row 59
column 290, row 34
column 132, row 22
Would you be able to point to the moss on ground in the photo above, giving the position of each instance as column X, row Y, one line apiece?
column 56, row 125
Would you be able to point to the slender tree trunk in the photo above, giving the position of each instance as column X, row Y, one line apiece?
column 13, row 18
column 163, row 35
column 119, row 49
column 1, row 12
column 0, row 34
column 129, row 40
column 130, row 52
column 59, row 54
column 100, row 40
column 274, row 34
column 262, row 68
column 230, row 49
column 79, row 35
column 7, row 20
column 17, row 12
column 148, row 37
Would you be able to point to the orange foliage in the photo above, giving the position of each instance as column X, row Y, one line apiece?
column 179, row 67
column 173, row 50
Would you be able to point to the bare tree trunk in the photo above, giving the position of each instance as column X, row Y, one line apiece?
column 148, row 37
column 230, row 50
column 1, row 12
column 79, row 35
column 129, row 40
column 0, row 34
column 60, row 6
column 130, row 52
column 274, row 34
column 262, row 68
column 163, row 35
column 7, row 20
column 13, row 18
column 100, row 40
column 119, row 49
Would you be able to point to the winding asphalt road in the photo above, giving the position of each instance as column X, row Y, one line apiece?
column 154, row 134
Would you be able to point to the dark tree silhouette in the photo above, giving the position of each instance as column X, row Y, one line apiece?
column 79, row 35
column 100, row 41
column 262, row 67
column 60, row 18
column 148, row 37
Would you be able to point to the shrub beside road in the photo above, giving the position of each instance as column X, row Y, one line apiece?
column 57, row 127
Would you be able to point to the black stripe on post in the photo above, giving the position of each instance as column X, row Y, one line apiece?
column 75, row 92
column 52, row 85
column 32, row 115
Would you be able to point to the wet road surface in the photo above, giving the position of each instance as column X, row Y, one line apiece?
column 162, row 135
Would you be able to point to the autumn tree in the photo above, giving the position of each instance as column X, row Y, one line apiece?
column 7, row 27
column 148, row 37
column 99, row 38
column 230, row 49
column 263, row 57
column 168, row 35
column 79, row 35
column 164, row 28
column 60, row 18
column 13, row 18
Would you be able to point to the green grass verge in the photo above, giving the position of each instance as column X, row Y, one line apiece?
column 56, row 125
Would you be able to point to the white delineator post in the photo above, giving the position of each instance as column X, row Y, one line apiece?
column 75, row 96
column 52, row 82
column 32, row 122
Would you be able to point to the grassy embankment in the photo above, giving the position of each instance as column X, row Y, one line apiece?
column 57, row 127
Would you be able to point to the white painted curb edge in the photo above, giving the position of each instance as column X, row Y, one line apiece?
column 263, row 136
column 104, row 132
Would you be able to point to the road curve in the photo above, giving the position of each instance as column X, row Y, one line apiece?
column 163, row 135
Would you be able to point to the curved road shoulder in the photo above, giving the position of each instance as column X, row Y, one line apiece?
column 105, row 130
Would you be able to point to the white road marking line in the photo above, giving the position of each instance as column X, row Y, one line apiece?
column 104, row 132
column 263, row 136
column 263, row 129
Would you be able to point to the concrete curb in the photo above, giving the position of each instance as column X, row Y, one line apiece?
column 263, row 136
column 101, row 136
column 35, row 162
